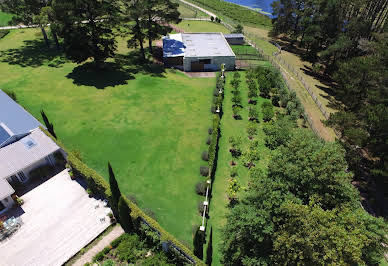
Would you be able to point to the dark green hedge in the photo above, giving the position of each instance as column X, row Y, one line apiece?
column 99, row 186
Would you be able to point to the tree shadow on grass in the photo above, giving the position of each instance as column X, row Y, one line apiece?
column 34, row 53
column 114, row 73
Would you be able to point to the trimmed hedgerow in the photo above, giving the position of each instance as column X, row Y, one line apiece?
column 102, row 187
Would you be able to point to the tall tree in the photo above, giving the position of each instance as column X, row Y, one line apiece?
column 309, row 235
column 159, row 15
column 134, row 16
column 209, row 249
column 49, row 126
column 88, row 28
column 125, row 216
column 114, row 188
column 27, row 12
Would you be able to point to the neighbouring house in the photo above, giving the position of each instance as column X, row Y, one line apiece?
column 198, row 52
column 235, row 38
column 24, row 147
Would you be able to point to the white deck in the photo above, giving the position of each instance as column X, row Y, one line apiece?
column 59, row 219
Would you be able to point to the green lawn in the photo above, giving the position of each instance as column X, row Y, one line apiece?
column 231, row 127
column 202, row 26
column 189, row 12
column 4, row 18
column 152, row 126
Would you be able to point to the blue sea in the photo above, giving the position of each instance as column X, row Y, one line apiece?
column 264, row 5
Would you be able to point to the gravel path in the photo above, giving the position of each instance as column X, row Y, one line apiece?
column 88, row 256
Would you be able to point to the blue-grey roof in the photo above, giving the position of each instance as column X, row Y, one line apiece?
column 234, row 35
column 17, row 121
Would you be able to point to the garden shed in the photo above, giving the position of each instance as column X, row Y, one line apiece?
column 198, row 51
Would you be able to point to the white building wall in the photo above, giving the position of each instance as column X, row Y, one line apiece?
column 229, row 61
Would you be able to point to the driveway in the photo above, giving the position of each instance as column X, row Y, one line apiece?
column 59, row 219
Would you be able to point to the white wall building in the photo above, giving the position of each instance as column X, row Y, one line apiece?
column 198, row 52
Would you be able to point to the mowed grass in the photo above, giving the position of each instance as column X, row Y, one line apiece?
column 202, row 26
column 4, row 18
column 187, row 12
column 151, row 126
column 231, row 127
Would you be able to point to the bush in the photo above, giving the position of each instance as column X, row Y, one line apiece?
column 130, row 248
column 210, row 130
column 109, row 263
column 213, row 109
column 236, row 75
column 236, row 99
column 200, row 188
column 205, row 156
column 150, row 213
column 200, row 207
column 267, row 111
column 251, row 130
column 204, row 170
column 233, row 188
column 117, row 241
column 99, row 256
column 236, row 110
column 233, row 172
column 208, row 141
column 275, row 100
column 253, row 114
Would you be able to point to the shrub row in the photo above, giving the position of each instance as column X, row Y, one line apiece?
column 99, row 186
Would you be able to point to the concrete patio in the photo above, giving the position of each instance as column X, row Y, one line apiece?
column 59, row 219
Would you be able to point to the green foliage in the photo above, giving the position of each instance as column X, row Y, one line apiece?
column 253, row 114
column 333, row 237
column 251, row 129
column 125, row 215
column 41, row 172
column 239, row 29
column 200, row 188
column 278, row 132
column 114, row 188
column 11, row 94
column 233, row 188
column 236, row 111
column 267, row 111
column 130, row 248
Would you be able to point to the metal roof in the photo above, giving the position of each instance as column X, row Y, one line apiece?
column 208, row 44
column 16, row 120
column 25, row 152
column 234, row 35
column 5, row 189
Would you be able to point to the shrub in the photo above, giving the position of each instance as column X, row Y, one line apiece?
column 150, row 213
column 117, row 241
column 204, row 170
column 200, row 188
column 212, row 18
column 233, row 188
column 235, row 83
column 253, row 114
column 208, row 141
column 205, row 156
column 236, row 99
column 215, row 92
column 213, row 109
column 200, row 207
column 210, row 130
column 251, row 130
column 236, row 110
column 130, row 248
column 236, row 75
column 233, row 172
column 275, row 100
column 99, row 256
column 109, row 262
column 267, row 111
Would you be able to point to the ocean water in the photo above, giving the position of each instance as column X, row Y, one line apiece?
column 264, row 5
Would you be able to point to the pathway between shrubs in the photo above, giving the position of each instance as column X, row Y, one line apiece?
column 105, row 241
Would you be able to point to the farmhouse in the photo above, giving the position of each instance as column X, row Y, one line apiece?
column 23, row 148
column 198, row 52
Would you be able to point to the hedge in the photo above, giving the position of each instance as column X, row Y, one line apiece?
column 99, row 186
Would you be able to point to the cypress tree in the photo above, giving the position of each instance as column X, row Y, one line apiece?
column 49, row 126
column 198, row 244
column 209, row 249
column 114, row 188
column 125, row 215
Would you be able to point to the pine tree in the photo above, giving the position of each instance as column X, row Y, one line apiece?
column 125, row 216
column 114, row 188
column 49, row 126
